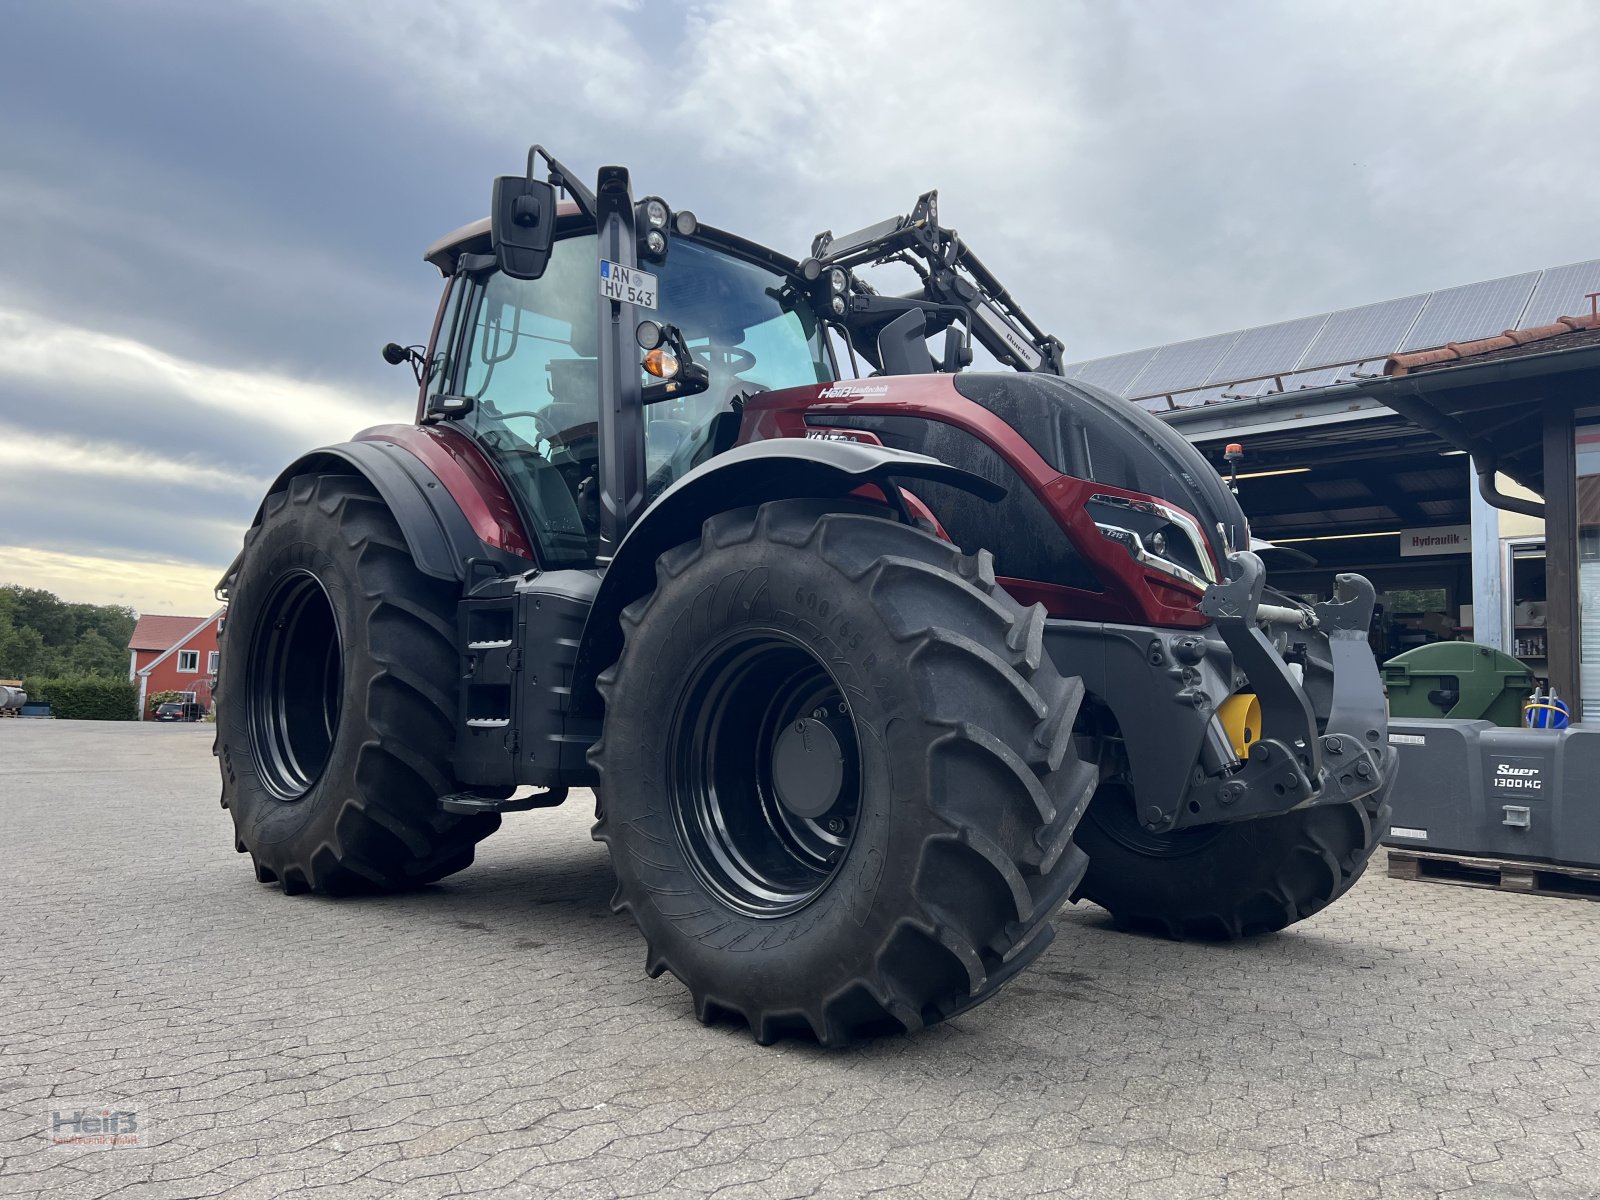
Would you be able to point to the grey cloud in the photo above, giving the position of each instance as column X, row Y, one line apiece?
column 116, row 518
column 142, row 419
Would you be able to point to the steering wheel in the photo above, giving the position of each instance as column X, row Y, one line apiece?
column 545, row 433
column 541, row 426
column 735, row 358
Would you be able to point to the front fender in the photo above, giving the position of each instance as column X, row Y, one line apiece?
column 441, row 538
column 774, row 469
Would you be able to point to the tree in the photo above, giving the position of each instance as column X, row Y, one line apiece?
column 41, row 635
column 43, row 611
column 94, row 655
column 112, row 622
column 23, row 652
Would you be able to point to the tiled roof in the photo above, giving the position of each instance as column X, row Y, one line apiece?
column 1510, row 344
column 159, row 632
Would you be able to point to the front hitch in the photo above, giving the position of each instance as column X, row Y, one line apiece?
column 1302, row 757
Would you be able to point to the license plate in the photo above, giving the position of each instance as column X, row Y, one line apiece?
column 629, row 285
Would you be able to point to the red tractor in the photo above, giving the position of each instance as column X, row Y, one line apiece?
column 868, row 677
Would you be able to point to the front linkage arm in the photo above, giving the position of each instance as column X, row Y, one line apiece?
column 1292, row 765
column 955, row 285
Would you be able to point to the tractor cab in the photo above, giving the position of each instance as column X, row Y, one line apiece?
column 516, row 362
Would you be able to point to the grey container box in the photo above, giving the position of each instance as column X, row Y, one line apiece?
column 1474, row 788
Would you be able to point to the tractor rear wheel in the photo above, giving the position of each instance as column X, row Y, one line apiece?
column 837, row 775
column 1221, row 882
column 335, row 706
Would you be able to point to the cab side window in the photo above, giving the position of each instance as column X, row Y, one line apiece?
column 531, row 370
column 437, row 380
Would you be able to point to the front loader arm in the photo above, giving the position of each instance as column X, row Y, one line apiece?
column 956, row 285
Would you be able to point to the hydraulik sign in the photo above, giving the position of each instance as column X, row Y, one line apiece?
column 1441, row 539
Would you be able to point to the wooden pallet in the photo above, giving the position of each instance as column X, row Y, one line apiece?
column 1502, row 874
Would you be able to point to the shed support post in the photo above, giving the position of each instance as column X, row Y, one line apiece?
column 1491, row 615
column 1561, row 549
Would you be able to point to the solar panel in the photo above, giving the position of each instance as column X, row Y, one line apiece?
column 1183, row 364
column 1315, row 351
column 1267, row 349
column 1477, row 310
column 1363, row 332
column 1562, row 292
column 1115, row 373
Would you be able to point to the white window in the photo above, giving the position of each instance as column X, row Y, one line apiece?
column 188, row 661
column 211, row 662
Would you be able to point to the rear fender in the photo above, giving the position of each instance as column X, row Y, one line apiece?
column 777, row 469
column 445, row 540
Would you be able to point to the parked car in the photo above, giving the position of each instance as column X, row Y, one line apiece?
column 174, row 711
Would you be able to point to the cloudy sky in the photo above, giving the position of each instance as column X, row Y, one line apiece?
column 211, row 215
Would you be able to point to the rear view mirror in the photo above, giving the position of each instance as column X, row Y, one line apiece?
column 522, row 225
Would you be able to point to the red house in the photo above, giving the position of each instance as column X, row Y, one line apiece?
column 174, row 654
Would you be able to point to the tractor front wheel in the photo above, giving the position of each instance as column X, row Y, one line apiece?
column 837, row 775
column 1221, row 882
column 335, row 704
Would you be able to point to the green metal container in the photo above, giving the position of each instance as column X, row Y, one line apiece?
column 1461, row 680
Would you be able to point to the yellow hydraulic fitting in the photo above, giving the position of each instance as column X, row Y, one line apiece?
column 1240, row 714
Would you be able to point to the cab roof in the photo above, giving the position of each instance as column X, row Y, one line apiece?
column 473, row 238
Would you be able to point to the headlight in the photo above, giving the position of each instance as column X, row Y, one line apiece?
column 1155, row 534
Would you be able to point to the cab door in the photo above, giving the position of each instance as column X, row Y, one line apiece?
column 522, row 354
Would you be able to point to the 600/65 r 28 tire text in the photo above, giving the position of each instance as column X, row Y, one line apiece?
column 335, row 705
column 837, row 777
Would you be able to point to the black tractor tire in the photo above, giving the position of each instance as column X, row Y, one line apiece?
column 1224, row 882
column 336, row 699
column 952, row 722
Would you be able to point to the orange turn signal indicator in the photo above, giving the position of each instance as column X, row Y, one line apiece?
column 661, row 363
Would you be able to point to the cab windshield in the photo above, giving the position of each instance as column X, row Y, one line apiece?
column 531, row 367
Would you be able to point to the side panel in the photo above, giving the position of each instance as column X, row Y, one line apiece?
column 1131, row 593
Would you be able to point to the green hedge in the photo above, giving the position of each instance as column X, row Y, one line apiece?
column 85, row 697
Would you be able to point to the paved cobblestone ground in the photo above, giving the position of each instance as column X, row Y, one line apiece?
column 496, row 1034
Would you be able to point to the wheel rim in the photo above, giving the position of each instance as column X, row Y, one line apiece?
column 294, row 680
column 1113, row 810
column 764, row 776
